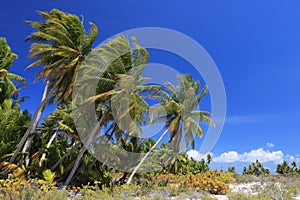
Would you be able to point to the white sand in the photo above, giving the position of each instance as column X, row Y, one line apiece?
column 246, row 188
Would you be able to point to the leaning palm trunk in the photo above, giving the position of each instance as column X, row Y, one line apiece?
column 47, row 147
column 25, row 149
column 34, row 121
column 144, row 158
column 75, row 146
column 76, row 165
column 84, row 149
column 29, row 140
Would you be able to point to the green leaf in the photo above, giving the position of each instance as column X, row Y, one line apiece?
column 49, row 176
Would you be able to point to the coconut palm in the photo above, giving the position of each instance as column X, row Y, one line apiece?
column 59, row 122
column 12, row 121
column 209, row 158
column 61, row 44
column 178, row 110
column 180, row 164
column 7, row 87
column 118, row 63
column 294, row 165
column 283, row 168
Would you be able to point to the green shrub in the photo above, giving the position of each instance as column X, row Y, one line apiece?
column 238, row 196
column 213, row 182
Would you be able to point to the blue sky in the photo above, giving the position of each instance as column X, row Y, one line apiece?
column 255, row 44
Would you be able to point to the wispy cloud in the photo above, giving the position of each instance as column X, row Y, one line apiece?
column 270, row 145
column 261, row 117
column 242, row 119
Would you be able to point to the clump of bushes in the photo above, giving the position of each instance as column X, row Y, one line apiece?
column 213, row 181
column 13, row 189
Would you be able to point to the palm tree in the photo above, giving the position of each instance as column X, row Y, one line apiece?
column 232, row 170
column 59, row 122
column 283, row 168
column 61, row 45
column 208, row 158
column 178, row 110
column 7, row 87
column 123, row 64
column 294, row 165
column 245, row 171
column 180, row 164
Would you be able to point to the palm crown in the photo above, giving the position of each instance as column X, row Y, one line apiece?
column 62, row 45
column 7, row 87
column 178, row 109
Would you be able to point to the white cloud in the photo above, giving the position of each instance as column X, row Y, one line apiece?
column 270, row 145
column 196, row 155
column 228, row 157
column 257, row 154
column 261, row 154
column 289, row 157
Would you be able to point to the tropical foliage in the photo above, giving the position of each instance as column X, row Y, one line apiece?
column 39, row 153
column 256, row 168
column 53, row 146
column 7, row 86
column 286, row 168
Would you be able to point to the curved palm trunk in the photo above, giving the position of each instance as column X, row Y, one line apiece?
column 146, row 155
column 75, row 146
column 36, row 117
column 29, row 140
column 34, row 121
column 47, row 147
column 80, row 155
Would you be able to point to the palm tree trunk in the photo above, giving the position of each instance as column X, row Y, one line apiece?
column 34, row 121
column 146, row 155
column 32, row 126
column 75, row 167
column 47, row 147
column 75, row 146
column 29, row 140
column 27, row 146
column 85, row 147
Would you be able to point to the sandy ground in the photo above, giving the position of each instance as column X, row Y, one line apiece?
column 246, row 188
column 223, row 197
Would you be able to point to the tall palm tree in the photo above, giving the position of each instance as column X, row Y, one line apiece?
column 7, row 87
column 123, row 64
column 61, row 44
column 178, row 109
column 12, row 120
